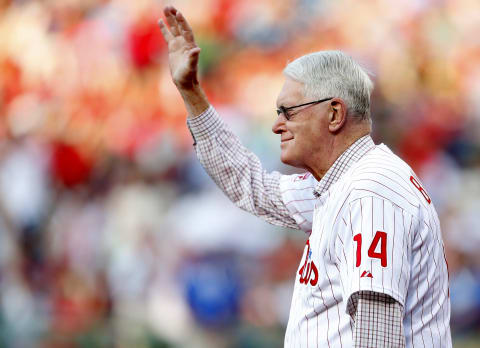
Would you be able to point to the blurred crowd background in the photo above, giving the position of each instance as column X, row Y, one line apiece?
column 111, row 235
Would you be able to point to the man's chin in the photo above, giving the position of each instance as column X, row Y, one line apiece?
column 288, row 160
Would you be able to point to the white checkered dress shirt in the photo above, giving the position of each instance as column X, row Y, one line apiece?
column 343, row 163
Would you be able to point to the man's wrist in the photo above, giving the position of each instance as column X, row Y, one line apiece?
column 195, row 100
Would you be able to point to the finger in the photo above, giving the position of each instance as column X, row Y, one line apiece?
column 165, row 32
column 185, row 28
column 170, row 15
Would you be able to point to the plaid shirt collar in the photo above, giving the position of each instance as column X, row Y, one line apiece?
column 351, row 155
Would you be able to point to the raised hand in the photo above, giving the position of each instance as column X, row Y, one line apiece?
column 183, row 52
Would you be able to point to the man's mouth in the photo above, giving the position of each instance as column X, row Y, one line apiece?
column 285, row 140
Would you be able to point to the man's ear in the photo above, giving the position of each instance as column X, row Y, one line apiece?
column 337, row 115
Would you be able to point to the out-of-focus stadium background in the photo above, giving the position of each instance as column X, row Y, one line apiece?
column 110, row 232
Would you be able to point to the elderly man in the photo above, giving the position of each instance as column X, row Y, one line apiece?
column 373, row 272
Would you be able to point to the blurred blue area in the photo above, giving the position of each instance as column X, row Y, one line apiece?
column 213, row 291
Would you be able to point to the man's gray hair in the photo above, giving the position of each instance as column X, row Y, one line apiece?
column 333, row 74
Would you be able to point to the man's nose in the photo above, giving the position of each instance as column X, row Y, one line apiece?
column 279, row 125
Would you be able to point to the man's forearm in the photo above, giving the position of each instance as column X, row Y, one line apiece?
column 195, row 100
column 237, row 171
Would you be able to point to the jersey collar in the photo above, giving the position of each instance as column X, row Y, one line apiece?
column 351, row 155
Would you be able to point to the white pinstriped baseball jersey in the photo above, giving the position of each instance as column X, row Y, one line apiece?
column 374, row 228
column 318, row 311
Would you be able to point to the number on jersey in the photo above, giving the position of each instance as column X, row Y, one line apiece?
column 380, row 237
column 421, row 189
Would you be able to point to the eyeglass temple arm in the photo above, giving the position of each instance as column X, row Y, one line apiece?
column 314, row 102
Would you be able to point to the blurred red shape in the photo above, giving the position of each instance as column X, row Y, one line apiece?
column 145, row 42
column 69, row 166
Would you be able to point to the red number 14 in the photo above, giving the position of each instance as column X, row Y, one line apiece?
column 381, row 237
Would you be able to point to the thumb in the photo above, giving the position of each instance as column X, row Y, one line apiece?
column 194, row 55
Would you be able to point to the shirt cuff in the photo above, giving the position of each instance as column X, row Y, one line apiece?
column 204, row 125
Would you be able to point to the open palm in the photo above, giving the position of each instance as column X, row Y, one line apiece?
column 183, row 52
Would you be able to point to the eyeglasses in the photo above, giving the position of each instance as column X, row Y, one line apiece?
column 285, row 111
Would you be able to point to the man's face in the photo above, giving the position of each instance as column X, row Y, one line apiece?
column 305, row 136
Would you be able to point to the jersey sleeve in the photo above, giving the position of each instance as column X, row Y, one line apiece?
column 297, row 194
column 373, row 247
column 237, row 171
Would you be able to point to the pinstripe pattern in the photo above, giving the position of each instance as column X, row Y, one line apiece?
column 368, row 189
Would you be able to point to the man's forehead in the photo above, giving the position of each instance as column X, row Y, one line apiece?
column 291, row 92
